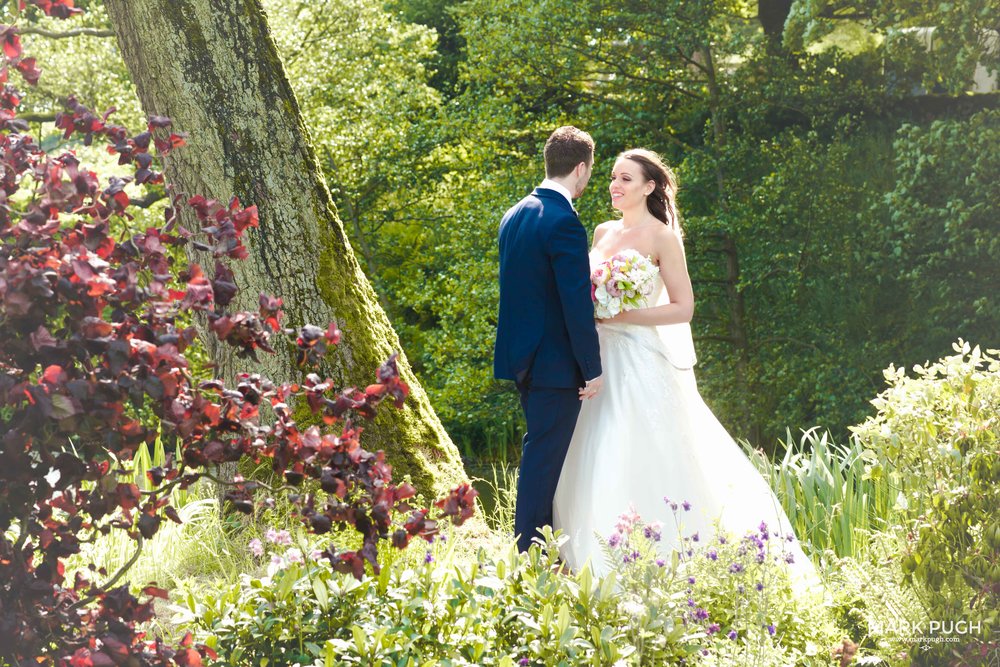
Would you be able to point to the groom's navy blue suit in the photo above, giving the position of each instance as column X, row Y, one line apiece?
column 546, row 341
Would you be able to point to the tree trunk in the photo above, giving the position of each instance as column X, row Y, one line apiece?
column 737, row 307
column 213, row 68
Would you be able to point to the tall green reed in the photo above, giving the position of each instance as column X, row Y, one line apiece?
column 831, row 500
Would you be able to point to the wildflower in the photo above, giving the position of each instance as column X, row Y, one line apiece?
column 524, row 661
column 293, row 556
column 279, row 537
column 315, row 554
column 763, row 528
column 690, row 602
column 732, row 635
column 789, row 558
column 771, row 629
column 712, row 554
column 761, row 556
column 736, row 568
column 700, row 614
column 666, row 500
column 673, row 506
column 429, row 558
column 695, row 538
column 722, row 539
column 760, row 586
column 740, row 589
column 256, row 547
column 627, row 520
column 713, row 628
column 690, row 580
column 690, row 552
column 660, row 562
column 614, row 540
column 653, row 531
column 686, row 505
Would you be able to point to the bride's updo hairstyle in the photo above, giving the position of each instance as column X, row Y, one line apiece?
column 662, row 201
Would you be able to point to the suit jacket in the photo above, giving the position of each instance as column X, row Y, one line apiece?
column 546, row 319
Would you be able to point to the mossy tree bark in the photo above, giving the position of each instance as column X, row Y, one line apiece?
column 213, row 68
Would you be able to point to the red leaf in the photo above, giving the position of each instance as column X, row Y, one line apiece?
column 11, row 43
column 156, row 592
column 27, row 68
column 53, row 375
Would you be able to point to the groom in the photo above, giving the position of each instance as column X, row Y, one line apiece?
column 546, row 337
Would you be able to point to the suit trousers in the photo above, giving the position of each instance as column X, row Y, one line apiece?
column 551, row 415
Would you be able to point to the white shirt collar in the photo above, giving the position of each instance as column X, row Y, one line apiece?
column 549, row 184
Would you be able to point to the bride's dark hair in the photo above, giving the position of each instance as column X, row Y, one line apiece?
column 662, row 201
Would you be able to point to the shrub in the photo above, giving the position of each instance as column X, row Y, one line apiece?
column 938, row 432
column 518, row 609
column 93, row 346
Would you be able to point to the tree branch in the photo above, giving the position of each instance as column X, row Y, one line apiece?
column 75, row 32
column 37, row 117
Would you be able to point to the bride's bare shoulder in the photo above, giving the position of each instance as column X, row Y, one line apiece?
column 603, row 228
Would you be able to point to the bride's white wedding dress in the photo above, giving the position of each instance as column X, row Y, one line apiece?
column 648, row 435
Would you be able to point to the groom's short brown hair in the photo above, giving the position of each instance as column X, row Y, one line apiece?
column 566, row 148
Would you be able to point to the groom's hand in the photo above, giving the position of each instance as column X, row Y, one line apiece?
column 592, row 387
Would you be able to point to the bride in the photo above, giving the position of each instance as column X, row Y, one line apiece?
column 649, row 435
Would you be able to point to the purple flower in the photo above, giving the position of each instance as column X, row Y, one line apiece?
column 771, row 629
column 736, row 568
column 653, row 531
column 740, row 589
column 690, row 602
column 429, row 558
column 763, row 529
column 789, row 558
column 673, row 506
column 690, row 580
column 694, row 537
column 712, row 554
column 732, row 635
column 713, row 628
column 700, row 614
column 722, row 539
column 523, row 662
column 614, row 540
column 761, row 556
column 686, row 505
column 660, row 562
column 256, row 547
column 666, row 500
column 760, row 586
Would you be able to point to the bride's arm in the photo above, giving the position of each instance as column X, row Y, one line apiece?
column 674, row 273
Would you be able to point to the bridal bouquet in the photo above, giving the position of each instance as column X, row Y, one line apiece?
column 622, row 282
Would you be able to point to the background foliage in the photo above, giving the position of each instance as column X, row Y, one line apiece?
column 837, row 180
